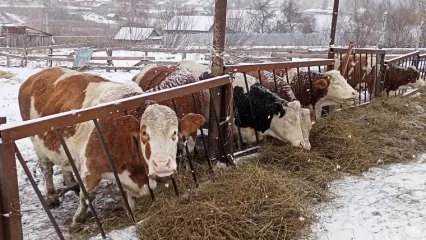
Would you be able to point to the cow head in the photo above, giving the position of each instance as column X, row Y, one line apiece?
column 158, row 131
column 335, row 90
column 286, row 124
column 415, row 81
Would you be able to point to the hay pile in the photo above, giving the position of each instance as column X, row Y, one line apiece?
column 271, row 196
column 6, row 75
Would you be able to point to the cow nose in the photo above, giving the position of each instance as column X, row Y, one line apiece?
column 298, row 143
column 162, row 164
column 307, row 145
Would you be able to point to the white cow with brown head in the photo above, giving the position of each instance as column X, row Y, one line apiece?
column 156, row 127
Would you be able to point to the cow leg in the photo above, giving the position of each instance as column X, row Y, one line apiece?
column 90, row 182
column 52, row 197
column 131, row 204
column 69, row 183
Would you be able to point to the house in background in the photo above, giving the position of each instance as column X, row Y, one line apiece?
column 23, row 36
column 138, row 36
column 189, row 24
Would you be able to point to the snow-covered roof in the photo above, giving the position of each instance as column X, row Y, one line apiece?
column 190, row 23
column 133, row 33
column 318, row 11
column 111, row 14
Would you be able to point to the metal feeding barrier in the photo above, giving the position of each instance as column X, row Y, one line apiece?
column 364, row 70
column 279, row 72
column 10, row 220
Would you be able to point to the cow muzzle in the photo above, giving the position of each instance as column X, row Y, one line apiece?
column 163, row 166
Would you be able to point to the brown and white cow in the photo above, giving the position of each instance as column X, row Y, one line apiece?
column 56, row 90
column 318, row 90
column 396, row 77
column 153, row 78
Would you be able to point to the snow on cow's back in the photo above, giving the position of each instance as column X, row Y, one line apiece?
column 196, row 68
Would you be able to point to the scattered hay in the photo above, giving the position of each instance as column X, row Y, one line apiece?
column 6, row 75
column 246, row 203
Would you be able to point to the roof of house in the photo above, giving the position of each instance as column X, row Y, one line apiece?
column 190, row 23
column 20, row 29
column 134, row 33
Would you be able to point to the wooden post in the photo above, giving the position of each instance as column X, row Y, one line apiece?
column 50, row 62
column 383, row 31
column 227, row 112
column 9, row 193
column 109, row 62
column 381, row 78
column 183, row 55
column 217, row 70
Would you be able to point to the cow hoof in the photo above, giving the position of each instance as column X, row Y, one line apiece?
column 75, row 227
column 52, row 201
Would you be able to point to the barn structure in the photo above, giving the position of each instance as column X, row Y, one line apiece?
column 23, row 36
column 137, row 35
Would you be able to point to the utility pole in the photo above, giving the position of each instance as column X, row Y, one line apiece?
column 46, row 12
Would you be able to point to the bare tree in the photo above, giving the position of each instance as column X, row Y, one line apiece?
column 262, row 13
column 294, row 20
column 175, row 36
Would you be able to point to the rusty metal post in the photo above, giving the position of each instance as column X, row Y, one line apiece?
column 2, row 236
column 10, row 215
column 333, row 30
column 217, row 70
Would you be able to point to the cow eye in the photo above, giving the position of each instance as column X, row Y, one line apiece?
column 174, row 133
column 144, row 133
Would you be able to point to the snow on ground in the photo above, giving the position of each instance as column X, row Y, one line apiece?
column 384, row 204
column 97, row 18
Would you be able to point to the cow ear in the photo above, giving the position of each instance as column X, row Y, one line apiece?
column 321, row 84
column 278, row 109
column 190, row 123
column 128, row 124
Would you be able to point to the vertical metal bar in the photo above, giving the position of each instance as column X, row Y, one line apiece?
column 260, row 77
column 275, row 81
column 38, row 193
column 188, row 156
column 191, row 165
column 221, row 140
column 300, row 84
column 139, row 156
column 217, row 54
column 310, row 83
column 360, row 77
column 227, row 113
column 286, row 76
column 80, row 182
column 203, row 138
column 9, row 198
column 319, row 69
column 174, row 185
column 237, row 117
column 253, row 118
column 114, row 169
